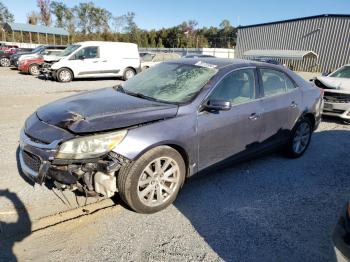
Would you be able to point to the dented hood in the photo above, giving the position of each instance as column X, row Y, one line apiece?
column 335, row 82
column 102, row 110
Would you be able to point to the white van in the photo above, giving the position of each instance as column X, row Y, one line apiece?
column 97, row 59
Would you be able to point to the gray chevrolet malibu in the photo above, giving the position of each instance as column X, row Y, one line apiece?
column 143, row 138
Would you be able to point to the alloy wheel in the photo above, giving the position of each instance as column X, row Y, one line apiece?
column 301, row 137
column 5, row 62
column 158, row 181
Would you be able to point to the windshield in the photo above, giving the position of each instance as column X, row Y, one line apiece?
column 343, row 72
column 170, row 82
column 146, row 57
column 69, row 49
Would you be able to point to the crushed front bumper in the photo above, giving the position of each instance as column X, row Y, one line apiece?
column 341, row 110
column 337, row 103
column 91, row 176
column 35, row 158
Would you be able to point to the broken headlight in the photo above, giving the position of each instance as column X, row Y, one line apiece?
column 90, row 146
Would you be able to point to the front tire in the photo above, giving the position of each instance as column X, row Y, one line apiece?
column 64, row 75
column 300, row 138
column 152, row 182
column 5, row 62
column 128, row 73
column 34, row 70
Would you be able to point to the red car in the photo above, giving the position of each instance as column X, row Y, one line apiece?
column 31, row 65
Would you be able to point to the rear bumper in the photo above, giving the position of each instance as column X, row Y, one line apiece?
column 341, row 110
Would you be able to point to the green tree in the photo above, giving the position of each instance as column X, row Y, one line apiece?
column 5, row 14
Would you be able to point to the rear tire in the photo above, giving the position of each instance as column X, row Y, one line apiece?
column 5, row 62
column 152, row 182
column 128, row 73
column 64, row 75
column 34, row 69
column 300, row 138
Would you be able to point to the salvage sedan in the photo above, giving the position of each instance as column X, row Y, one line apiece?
column 143, row 138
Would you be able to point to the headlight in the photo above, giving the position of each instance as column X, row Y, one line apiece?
column 90, row 146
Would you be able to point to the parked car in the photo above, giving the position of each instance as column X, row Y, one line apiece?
column 151, row 59
column 336, row 92
column 97, row 59
column 5, row 57
column 46, row 50
column 32, row 65
column 14, row 59
column 144, row 137
column 341, row 235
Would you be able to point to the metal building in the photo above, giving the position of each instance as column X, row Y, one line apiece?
column 317, row 43
column 18, row 32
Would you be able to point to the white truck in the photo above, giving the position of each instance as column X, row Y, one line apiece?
column 97, row 59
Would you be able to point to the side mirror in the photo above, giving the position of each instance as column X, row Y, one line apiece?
column 325, row 74
column 82, row 57
column 218, row 105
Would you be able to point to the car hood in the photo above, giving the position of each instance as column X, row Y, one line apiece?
column 102, row 110
column 52, row 58
column 335, row 82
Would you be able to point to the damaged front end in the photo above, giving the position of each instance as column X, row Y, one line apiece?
column 336, row 97
column 91, row 177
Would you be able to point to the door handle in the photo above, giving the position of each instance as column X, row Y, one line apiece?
column 293, row 105
column 95, row 61
column 104, row 61
column 254, row 116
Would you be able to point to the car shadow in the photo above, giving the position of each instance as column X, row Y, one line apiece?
column 273, row 208
column 12, row 232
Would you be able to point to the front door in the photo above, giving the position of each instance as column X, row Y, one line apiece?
column 86, row 61
column 222, row 134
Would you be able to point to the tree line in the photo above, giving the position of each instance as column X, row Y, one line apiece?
column 86, row 21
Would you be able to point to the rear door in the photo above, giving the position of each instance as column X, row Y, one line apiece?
column 281, row 102
column 223, row 134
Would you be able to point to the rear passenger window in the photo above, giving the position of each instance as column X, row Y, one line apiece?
column 275, row 82
column 237, row 87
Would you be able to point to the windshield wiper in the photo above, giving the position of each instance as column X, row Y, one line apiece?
column 119, row 88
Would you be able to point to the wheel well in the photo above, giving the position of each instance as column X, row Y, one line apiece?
column 184, row 155
column 129, row 67
column 67, row 69
column 311, row 117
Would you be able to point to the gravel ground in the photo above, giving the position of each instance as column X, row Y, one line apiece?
column 267, row 209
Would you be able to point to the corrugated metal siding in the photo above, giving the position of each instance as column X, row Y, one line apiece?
column 329, row 37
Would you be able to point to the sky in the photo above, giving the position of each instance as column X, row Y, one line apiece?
column 155, row 14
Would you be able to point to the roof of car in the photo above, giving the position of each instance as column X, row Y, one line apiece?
column 219, row 62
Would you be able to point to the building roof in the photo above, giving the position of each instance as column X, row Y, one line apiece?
column 282, row 54
column 296, row 19
column 34, row 29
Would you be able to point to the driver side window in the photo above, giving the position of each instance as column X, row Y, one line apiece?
column 87, row 53
column 237, row 87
